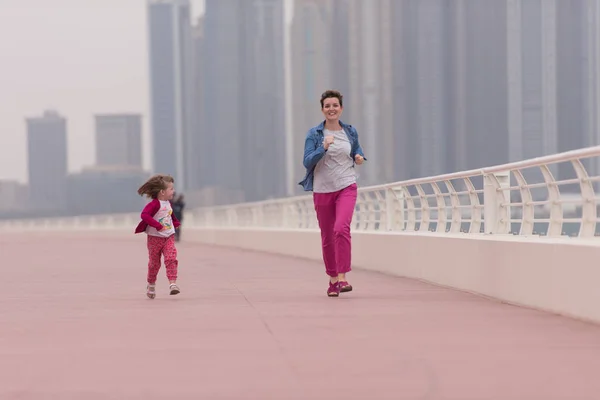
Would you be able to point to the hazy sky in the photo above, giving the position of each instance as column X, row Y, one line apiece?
column 79, row 57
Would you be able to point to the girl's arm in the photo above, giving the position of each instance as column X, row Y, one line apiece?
column 148, row 214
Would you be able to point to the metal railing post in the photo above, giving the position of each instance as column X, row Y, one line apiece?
column 496, row 202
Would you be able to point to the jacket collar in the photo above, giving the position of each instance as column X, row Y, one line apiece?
column 321, row 126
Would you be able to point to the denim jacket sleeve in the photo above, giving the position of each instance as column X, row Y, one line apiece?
column 313, row 151
column 357, row 148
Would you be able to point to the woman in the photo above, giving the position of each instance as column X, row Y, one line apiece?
column 331, row 150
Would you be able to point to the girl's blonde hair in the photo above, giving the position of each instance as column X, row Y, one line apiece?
column 154, row 185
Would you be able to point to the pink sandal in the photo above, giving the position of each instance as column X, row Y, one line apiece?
column 334, row 289
column 345, row 286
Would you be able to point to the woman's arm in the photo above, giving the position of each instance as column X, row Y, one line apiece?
column 357, row 148
column 312, row 155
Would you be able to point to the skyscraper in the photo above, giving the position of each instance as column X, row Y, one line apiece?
column 578, row 82
column 531, row 41
column 357, row 61
column 201, row 165
column 311, row 71
column 340, row 47
column 226, row 74
column 369, row 99
column 265, row 101
column 47, row 153
column 171, row 87
column 422, row 80
column 245, row 96
column 119, row 140
column 487, row 88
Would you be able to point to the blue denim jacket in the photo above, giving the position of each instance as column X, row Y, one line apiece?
column 314, row 150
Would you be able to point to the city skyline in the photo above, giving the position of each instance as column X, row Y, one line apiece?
column 80, row 69
column 476, row 83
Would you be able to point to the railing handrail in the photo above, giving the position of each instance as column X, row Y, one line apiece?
column 533, row 162
column 434, row 203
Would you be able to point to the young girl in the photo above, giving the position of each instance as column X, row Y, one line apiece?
column 159, row 223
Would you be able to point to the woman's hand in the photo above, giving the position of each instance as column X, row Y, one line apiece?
column 327, row 141
column 358, row 159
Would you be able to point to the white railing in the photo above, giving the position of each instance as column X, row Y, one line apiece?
column 87, row 222
column 524, row 198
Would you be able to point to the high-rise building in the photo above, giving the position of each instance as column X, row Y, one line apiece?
column 421, row 77
column 119, row 140
column 486, row 92
column 87, row 190
column 592, row 40
column 578, row 81
column 171, row 87
column 14, row 197
column 369, row 99
column 226, row 75
column 312, row 72
column 202, row 164
column 450, row 86
column 47, row 161
column 265, row 149
column 346, row 45
column 413, row 143
column 340, row 47
column 245, row 96
column 531, row 68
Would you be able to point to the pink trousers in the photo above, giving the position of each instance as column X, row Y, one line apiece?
column 334, row 213
column 157, row 247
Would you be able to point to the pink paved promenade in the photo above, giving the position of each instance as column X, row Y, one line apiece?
column 75, row 324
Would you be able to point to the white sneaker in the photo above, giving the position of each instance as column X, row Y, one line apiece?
column 151, row 291
column 174, row 288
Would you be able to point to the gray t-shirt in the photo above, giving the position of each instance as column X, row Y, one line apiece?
column 335, row 171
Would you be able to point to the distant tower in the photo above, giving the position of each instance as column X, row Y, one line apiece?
column 119, row 140
column 171, row 86
column 47, row 151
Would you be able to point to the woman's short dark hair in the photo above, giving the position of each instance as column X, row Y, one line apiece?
column 328, row 94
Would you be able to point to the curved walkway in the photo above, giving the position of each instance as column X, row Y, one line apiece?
column 75, row 324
